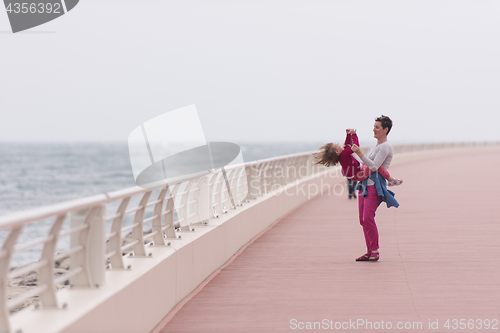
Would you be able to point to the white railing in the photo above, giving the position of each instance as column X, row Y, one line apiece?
column 102, row 229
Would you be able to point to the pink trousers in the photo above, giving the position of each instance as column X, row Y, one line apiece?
column 367, row 208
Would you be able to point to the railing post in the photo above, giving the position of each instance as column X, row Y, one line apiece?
column 270, row 176
column 183, row 210
column 193, row 202
column 76, row 219
column 6, row 253
column 217, row 183
column 158, row 212
column 236, row 188
column 255, row 181
column 263, row 178
column 228, row 186
column 227, row 181
column 212, row 187
column 302, row 163
column 249, row 175
column 169, row 227
column 82, row 238
column 281, row 166
column 137, row 232
column 274, row 176
column 97, row 246
column 242, row 186
column 203, row 201
column 297, row 168
column 115, row 241
column 48, row 297
column 93, row 239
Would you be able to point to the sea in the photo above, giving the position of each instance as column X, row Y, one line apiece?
column 34, row 175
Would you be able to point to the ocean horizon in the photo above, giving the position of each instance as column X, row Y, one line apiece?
column 35, row 174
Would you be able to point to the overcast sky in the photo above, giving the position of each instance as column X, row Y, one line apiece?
column 256, row 70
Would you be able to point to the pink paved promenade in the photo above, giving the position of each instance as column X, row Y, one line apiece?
column 440, row 260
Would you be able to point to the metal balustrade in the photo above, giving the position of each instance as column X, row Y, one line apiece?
column 157, row 217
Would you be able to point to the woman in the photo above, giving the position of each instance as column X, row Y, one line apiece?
column 379, row 155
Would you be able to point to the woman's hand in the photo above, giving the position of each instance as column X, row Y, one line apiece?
column 357, row 150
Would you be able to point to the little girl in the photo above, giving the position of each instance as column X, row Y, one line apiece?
column 333, row 153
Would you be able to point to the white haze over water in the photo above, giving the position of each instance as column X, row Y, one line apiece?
column 256, row 70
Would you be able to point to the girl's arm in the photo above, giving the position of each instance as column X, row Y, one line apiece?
column 351, row 137
column 347, row 137
column 355, row 139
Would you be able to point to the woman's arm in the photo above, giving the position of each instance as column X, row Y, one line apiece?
column 377, row 161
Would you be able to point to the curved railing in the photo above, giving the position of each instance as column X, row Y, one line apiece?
column 139, row 218
column 102, row 229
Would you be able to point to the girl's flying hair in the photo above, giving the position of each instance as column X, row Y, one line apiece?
column 326, row 155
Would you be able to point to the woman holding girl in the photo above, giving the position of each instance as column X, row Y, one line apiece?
column 377, row 159
column 378, row 155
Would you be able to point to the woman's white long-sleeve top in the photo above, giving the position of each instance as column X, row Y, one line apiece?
column 378, row 155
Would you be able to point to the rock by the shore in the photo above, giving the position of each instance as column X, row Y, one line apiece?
column 29, row 281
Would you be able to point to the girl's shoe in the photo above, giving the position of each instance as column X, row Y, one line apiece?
column 364, row 257
column 374, row 256
column 395, row 182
